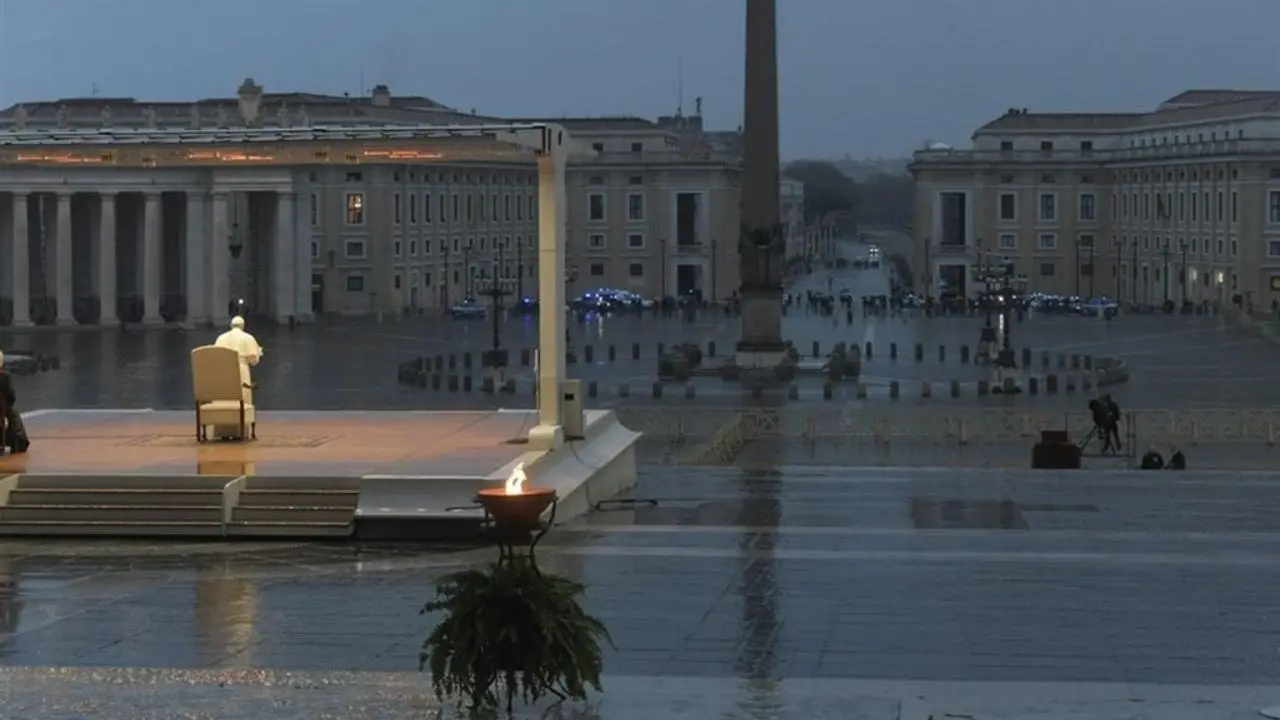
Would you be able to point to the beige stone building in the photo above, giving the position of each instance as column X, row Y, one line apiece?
column 114, row 208
column 1182, row 202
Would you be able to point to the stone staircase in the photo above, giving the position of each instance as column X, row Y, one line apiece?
column 295, row 507
column 113, row 505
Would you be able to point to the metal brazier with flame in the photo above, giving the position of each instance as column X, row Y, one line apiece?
column 515, row 511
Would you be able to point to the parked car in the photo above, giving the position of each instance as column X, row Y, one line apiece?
column 467, row 309
column 1099, row 306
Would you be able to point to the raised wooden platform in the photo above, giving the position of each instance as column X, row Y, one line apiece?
column 337, row 474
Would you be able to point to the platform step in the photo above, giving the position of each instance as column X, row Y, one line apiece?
column 122, row 482
column 293, row 514
column 299, row 498
column 113, row 496
column 285, row 483
column 58, row 528
column 159, row 514
column 289, row 529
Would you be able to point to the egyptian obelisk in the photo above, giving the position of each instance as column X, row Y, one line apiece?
column 761, row 246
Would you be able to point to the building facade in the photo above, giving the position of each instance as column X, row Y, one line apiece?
column 1179, row 203
column 115, row 228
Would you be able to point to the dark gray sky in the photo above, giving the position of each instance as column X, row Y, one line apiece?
column 866, row 77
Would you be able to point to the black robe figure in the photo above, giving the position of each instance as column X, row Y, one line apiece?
column 14, row 434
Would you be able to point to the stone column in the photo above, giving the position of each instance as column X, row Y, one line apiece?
column 283, row 274
column 762, row 245
column 151, row 265
column 196, row 269
column 219, row 261
column 549, row 433
column 62, row 261
column 108, row 294
column 20, row 262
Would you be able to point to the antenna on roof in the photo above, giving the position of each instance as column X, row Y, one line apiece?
column 360, row 90
column 680, row 86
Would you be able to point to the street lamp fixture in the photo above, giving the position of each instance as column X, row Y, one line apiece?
column 496, row 358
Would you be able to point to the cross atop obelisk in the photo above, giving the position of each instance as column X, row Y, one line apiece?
column 762, row 244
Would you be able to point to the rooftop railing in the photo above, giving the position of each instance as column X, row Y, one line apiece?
column 1151, row 152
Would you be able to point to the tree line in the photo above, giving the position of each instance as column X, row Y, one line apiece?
column 881, row 200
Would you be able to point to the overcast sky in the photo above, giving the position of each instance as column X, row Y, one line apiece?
column 865, row 77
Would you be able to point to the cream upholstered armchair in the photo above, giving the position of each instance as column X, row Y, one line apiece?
column 223, row 399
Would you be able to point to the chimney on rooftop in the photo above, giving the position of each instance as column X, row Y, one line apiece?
column 381, row 96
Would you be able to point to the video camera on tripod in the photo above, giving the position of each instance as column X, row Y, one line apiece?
column 1106, row 423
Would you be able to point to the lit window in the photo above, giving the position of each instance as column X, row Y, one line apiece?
column 355, row 209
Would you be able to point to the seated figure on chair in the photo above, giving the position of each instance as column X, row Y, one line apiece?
column 250, row 352
column 13, row 434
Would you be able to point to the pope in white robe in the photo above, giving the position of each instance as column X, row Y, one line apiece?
column 247, row 347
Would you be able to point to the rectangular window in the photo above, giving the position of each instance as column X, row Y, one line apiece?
column 635, row 241
column 469, row 216
column 595, row 241
column 454, row 214
column 413, row 248
column 353, row 249
column 506, row 207
column 1048, row 241
column 493, row 206
column 1273, row 202
column 315, row 249
column 315, row 209
column 413, row 208
column 397, row 249
column 1048, row 207
column 1273, row 248
column 1008, row 241
column 426, row 207
column 519, row 207
column 1235, row 206
column 1085, row 242
column 635, row 207
column 1146, row 206
column 355, row 208
column 355, row 283
column 1182, row 206
column 1088, row 207
column 597, row 269
column 1008, row 206
column 595, row 207
column 1046, row 269
column 395, row 211
column 1222, row 206
column 480, row 206
column 635, row 269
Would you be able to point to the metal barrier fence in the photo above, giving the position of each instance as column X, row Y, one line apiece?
column 728, row 428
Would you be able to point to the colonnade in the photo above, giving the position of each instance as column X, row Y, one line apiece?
column 93, row 256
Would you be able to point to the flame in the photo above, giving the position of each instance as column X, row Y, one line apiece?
column 516, row 480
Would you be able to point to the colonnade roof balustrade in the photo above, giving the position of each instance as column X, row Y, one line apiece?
column 318, row 145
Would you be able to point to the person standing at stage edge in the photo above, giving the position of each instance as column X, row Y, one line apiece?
column 247, row 347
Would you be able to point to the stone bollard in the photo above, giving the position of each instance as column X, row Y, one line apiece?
column 919, row 352
column 1070, row 382
column 657, row 390
column 593, row 389
column 486, row 384
column 860, row 391
column 466, row 383
column 893, row 351
column 1044, row 359
column 955, row 388
column 1051, row 384
column 1033, row 386
column 624, row 390
column 1026, row 358
column 828, row 390
column 1088, row 362
column 793, row 391
column 525, row 357
column 817, row 350
column 588, row 353
column 867, row 354
column 1075, row 361
column 711, row 348
column 453, row 361
column 926, row 389
column 436, row 381
column 942, row 353
column 613, row 354
column 635, row 351
column 689, row 391
column 466, row 360
column 984, row 388
column 894, row 389
column 964, row 354
column 453, row 383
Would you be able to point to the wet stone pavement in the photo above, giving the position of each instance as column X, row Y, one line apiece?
column 729, row 593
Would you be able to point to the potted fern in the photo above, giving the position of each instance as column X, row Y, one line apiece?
column 510, row 630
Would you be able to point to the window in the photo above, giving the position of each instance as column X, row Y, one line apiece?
column 1222, row 206
column 519, row 207
column 1146, row 206
column 1273, row 201
column 413, row 248
column 1273, row 248
column 395, row 281
column 355, row 208
column 595, row 206
column 355, row 177
column 1046, row 269
column 635, row 206
column 597, row 269
column 595, row 241
column 426, row 249
column 1048, row 207
column 454, row 199
column 1008, row 241
column 635, row 180
column 635, row 269
column 1046, row 146
column 1235, row 206
column 395, row 212
column 1182, row 206
column 1006, row 146
column 1088, row 207
column 1086, row 146
column 506, row 207
column 469, row 208
column 1008, row 206
column 598, row 147
column 1048, row 241
column 353, row 249
column 1048, row 179
column 636, row 147
column 1085, row 242
column 355, row 283
column 413, row 208
column 396, row 249
column 315, row 208
column 315, row 249
column 426, row 207
column 635, row 241
column 480, row 206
